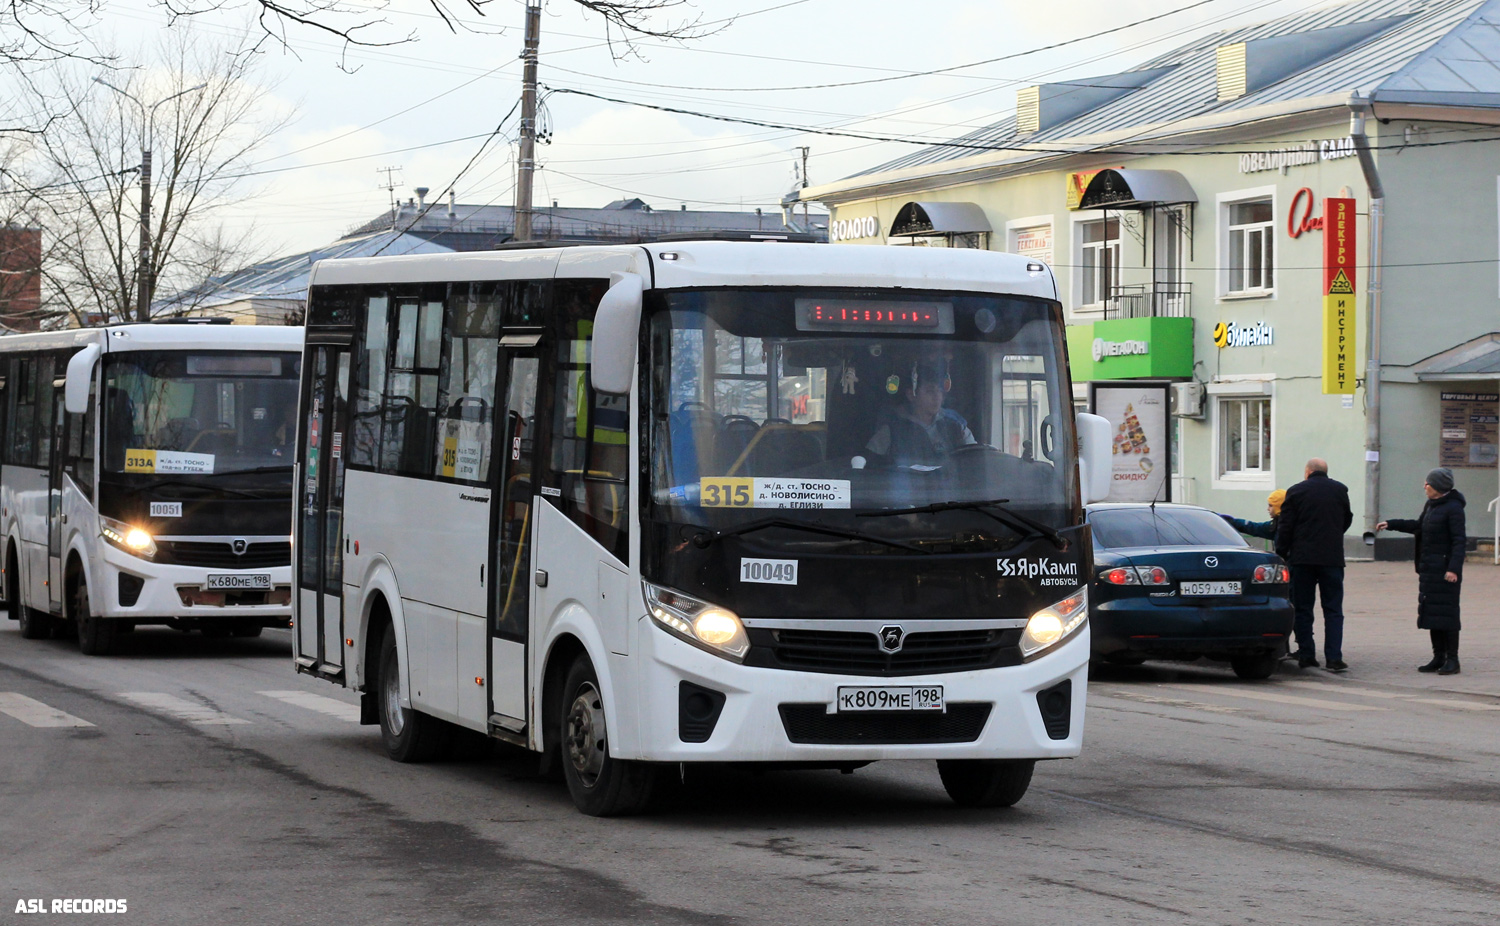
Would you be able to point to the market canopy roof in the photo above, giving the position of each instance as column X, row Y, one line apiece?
column 1476, row 359
column 1136, row 189
column 930, row 219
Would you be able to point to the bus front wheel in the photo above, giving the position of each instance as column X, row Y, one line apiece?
column 601, row 786
column 35, row 625
column 96, row 636
column 409, row 735
column 986, row 782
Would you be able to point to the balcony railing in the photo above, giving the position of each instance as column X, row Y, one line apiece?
column 1150, row 300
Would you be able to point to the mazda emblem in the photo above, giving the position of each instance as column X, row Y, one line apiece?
column 239, row 545
column 1211, row 561
column 891, row 638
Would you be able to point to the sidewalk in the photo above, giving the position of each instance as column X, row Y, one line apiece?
column 1383, row 645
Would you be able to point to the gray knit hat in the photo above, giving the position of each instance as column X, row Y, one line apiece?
column 1441, row 479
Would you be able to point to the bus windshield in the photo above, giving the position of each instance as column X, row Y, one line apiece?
column 806, row 400
column 199, row 412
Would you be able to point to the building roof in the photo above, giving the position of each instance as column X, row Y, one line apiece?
column 1472, row 360
column 465, row 227
column 1438, row 52
column 285, row 278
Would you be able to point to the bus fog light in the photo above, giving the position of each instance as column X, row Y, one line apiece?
column 706, row 626
column 1054, row 623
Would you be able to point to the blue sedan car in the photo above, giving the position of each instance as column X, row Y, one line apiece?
column 1176, row 582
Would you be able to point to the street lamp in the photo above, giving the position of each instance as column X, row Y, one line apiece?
column 144, row 281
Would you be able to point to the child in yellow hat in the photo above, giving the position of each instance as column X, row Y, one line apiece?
column 1266, row 530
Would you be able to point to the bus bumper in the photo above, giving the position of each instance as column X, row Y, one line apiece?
column 752, row 725
column 130, row 588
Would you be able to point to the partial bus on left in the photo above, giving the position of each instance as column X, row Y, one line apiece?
column 146, row 478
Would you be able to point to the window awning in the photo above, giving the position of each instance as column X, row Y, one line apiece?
column 919, row 220
column 1476, row 359
column 1136, row 189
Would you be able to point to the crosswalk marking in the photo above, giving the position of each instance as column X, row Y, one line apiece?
column 35, row 713
column 1344, row 688
column 1461, row 705
column 312, row 702
column 179, row 708
column 1320, row 703
column 1174, row 702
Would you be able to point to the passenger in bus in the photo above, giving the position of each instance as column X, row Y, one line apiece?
column 920, row 431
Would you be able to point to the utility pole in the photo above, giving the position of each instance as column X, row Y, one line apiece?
column 526, row 165
column 1358, row 109
column 145, row 278
column 806, row 222
column 390, row 189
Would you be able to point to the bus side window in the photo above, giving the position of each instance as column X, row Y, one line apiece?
column 20, row 449
column 466, row 388
column 590, row 436
column 369, row 383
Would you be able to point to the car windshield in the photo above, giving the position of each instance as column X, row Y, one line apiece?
column 1161, row 527
column 806, row 400
column 199, row 412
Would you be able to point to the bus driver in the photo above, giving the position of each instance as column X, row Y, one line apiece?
column 921, row 431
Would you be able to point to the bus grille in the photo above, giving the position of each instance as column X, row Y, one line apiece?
column 812, row 724
column 217, row 554
column 859, row 653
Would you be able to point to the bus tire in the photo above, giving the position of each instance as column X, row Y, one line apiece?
column 986, row 782
column 601, row 786
column 247, row 630
column 96, row 636
column 409, row 735
column 34, row 624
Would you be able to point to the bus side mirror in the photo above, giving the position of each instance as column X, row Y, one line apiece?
column 1094, row 464
column 80, row 373
column 616, row 331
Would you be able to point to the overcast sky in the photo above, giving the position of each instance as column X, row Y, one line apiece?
column 445, row 86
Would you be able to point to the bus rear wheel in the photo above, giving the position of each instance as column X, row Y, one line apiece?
column 96, row 636
column 409, row 735
column 986, row 782
column 601, row 786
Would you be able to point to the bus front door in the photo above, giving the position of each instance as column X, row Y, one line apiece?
column 510, row 547
column 320, row 556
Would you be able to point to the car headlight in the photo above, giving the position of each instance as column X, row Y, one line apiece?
column 131, row 539
column 1055, row 623
column 706, row 626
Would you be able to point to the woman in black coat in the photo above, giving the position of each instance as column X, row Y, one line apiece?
column 1440, row 567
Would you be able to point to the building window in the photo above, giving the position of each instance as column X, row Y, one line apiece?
column 1244, row 437
column 1098, row 260
column 1250, row 257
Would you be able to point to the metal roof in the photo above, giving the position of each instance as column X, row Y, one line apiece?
column 1472, row 360
column 1125, row 189
column 1437, row 47
column 922, row 219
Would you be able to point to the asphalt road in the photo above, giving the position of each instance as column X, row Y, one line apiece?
column 204, row 782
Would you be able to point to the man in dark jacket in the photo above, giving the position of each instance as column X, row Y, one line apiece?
column 1310, row 538
column 1440, row 566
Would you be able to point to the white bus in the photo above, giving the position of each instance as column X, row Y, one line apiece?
column 704, row 502
column 147, row 478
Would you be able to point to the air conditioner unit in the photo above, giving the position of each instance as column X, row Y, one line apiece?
column 1187, row 400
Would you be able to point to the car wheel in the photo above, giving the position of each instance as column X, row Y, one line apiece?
column 601, row 786
column 986, row 782
column 409, row 735
column 1124, row 659
column 1259, row 666
column 247, row 630
column 96, row 635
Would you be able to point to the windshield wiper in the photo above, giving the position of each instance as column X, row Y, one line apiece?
column 704, row 538
column 994, row 508
column 183, row 483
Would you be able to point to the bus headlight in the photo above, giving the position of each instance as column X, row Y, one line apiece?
column 131, row 539
column 1055, row 623
column 704, row 625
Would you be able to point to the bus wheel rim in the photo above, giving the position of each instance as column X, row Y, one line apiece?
column 586, row 734
column 395, row 715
